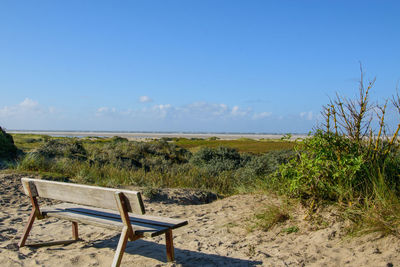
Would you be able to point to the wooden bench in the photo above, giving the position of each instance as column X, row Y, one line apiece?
column 116, row 209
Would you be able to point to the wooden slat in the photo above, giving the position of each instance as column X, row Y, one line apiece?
column 123, row 212
column 96, row 196
column 139, row 229
column 147, row 219
column 28, row 228
column 121, row 247
column 75, row 233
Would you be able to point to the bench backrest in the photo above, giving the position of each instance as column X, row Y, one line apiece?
column 96, row 196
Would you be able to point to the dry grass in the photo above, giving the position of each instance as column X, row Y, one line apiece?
column 242, row 145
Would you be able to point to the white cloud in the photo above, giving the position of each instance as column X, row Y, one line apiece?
column 236, row 111
column 200, row 109
column 30, row 114
column 52, row 110
column 197, row 111
column 106, row 111
column 102, row 109
column 25, row 108
column 28, row 103
column 162, row 110
column 306, row 115
column 261, row 115
column 145, row 99
column 196, row 116
column 162, row 107
column 211, row 110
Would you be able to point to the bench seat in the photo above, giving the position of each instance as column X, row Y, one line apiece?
column 110, row 208
column 142, row 225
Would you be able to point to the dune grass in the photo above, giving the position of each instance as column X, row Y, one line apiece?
column 28, row 142
column 245, row 145
column 157, row 163
column 270, row 216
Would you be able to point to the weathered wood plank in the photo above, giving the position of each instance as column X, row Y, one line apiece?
column 27, row 228
column 147, row 219
column 121, row 247
column 169, row 243
column 75, row 233
column 123, row 212
column 96, row 196
column 139, row 229
column 108, row 223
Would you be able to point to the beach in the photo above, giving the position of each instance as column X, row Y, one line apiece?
column 217, row 235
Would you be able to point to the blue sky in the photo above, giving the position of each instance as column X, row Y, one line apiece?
column 214, row 66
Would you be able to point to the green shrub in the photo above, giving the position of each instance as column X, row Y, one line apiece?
column 217, row 160
column 8, row 150
column 57, row 148
column 138, row 155
column 328, row 167
column 262, row 165
column 117, row 139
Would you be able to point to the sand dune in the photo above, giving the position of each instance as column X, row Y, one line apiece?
column 216, row 236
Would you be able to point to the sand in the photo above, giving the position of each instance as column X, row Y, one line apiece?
column 216, row 236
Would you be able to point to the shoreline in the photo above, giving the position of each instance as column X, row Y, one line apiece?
column 158, row 135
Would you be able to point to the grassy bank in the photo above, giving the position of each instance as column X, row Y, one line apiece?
column 159, row 163
column 243, row 145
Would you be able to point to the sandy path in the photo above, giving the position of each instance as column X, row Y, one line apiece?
column 212, row 238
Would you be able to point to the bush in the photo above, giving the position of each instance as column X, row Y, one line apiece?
column 139, row 155
column 217, row 160
column 68, row 148
column 262, row 165
column 8, row 150
column 328, row 167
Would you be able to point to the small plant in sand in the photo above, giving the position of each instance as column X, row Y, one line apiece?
column 270, row 216
column 291, row 229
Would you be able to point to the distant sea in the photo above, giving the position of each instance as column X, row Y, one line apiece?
column 139, row 135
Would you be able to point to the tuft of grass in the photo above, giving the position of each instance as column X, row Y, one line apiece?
column 270, row 216
column 378, row 213
column 291, row 229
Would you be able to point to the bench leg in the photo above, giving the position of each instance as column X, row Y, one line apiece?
column 75, row 234
column 170, row 245
column 121, row 247
column 27, row 229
